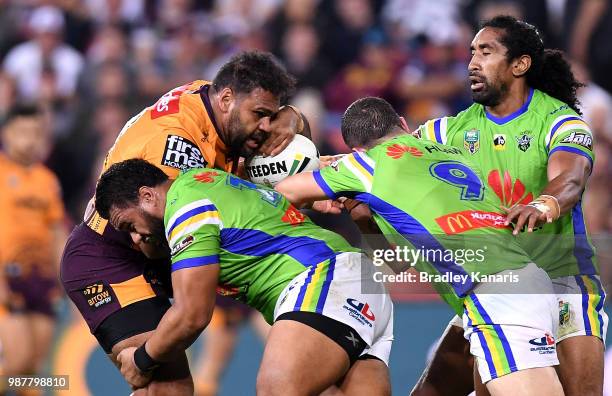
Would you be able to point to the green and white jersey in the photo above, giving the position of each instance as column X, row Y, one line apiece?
column 259, row 239
column 431, row 198
column 513, row 153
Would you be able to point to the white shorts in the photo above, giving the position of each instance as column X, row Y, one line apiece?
column 580, row 302
column 342, row 296
column 509, row 331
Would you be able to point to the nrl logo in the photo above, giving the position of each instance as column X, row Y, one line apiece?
column 524, row 141
column 471, row 140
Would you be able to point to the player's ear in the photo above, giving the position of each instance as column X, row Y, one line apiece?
column 226, row 97
column 146, row 195
column 404, row 124
column 521, row 65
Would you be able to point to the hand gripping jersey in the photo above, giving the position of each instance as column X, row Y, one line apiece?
column 260, row 240
column 513, row 153
column 178, row 132
column 430, row 197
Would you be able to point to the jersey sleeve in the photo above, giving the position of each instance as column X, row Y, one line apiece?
column 348, row 177
column 170, row 150
column 434, row 130
column 572, row 134
column 193, row 232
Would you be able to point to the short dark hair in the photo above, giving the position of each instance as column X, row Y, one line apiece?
column 21, row 110
column 118, row 186
column 549, row 71
column 368, row 119
column 254, row 69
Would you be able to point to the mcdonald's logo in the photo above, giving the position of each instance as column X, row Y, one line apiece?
column 456, row 223
column 460, row 221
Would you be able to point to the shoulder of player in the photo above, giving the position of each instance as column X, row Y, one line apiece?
column 191, row 189
column 442, row 129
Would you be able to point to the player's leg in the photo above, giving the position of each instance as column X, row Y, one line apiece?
column 300, row 360
column 367, row 376
column 581, row 368
column 510, row 327
column 42, row 327
column 323, row 325
column 218, row 341
column 259, row 324
column 582, row 329
column 450, row 371
column 527, row 382
column 17, row 346
column 42, row 294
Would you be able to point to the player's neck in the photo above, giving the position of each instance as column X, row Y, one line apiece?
column 515, row 98
column 18, row 159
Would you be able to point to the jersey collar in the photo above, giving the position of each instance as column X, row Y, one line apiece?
column 510, row 117
column 208, row 106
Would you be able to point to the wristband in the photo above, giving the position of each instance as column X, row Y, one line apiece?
column 547, row 204
column 143, row 361
column 300, row 124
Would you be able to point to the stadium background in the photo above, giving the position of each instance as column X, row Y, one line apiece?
column 110, row 58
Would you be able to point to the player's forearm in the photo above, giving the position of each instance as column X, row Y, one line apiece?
column 567, row 188
column 177, row 330
column 567, row 175
column 301, row 190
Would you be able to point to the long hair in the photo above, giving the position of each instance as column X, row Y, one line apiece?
column 549, row 72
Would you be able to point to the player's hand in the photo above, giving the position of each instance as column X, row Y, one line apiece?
column 525, row 215
column 327, row 160
column 130, row 372
column 283, row 127
column 328, row 206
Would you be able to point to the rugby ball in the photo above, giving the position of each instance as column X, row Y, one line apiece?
column 301, row 155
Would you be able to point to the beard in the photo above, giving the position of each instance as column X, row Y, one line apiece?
column 239, row 136
column 489, row 95
column 157, row 237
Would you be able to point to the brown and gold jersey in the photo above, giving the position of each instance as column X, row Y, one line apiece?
column 177, row 132
column 30, row 204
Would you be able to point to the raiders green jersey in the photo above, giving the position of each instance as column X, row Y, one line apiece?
column 260, row 241
column 513, row 153
column 430, row 197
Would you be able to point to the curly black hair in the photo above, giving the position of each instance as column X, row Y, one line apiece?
column 254, row 69
column 549, row 72
column 118, row 186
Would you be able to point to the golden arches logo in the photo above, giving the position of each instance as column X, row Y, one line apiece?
column 460, row 221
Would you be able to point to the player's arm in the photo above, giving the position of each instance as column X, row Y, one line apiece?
column 570, row 163
column 285, row 124
column 301, row 189
column 194, row 300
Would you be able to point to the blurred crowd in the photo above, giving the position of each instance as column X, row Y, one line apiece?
column 92, row 64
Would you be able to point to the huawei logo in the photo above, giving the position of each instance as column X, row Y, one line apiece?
column 397, row 151
column 509, row 194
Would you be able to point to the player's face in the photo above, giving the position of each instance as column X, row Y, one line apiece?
column 249, row 121
column 489, row 70
column 146, row 229
column 25, row 140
